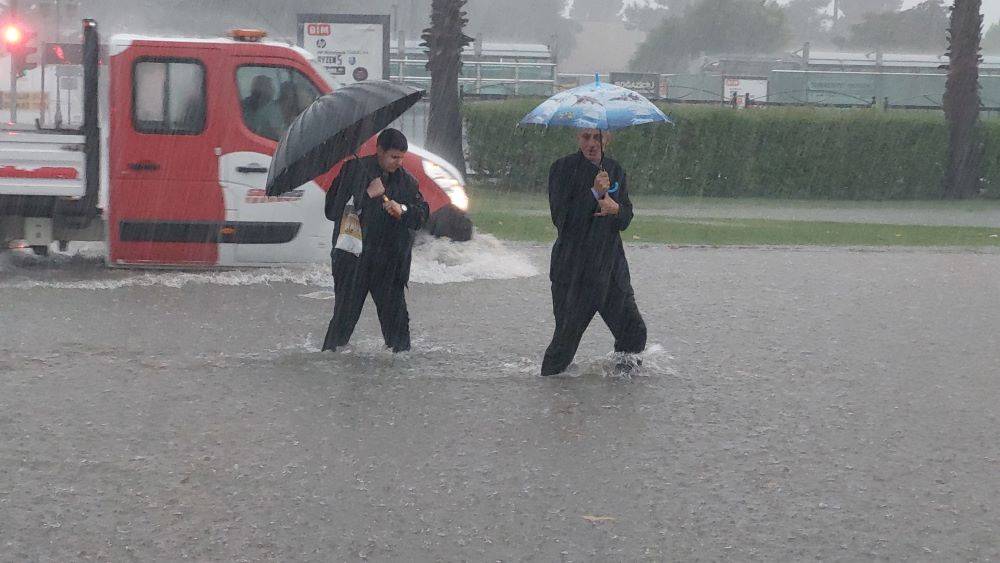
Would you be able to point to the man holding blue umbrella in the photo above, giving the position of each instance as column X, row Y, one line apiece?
column 590, row 207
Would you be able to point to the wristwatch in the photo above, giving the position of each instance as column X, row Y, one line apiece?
column 403, row 208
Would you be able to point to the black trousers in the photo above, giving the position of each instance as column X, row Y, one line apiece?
column 574, row 306
column 352, row 283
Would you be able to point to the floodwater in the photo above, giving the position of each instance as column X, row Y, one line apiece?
column 794, row 403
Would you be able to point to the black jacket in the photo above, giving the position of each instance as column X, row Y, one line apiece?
column 587, row 248
column 387, row 243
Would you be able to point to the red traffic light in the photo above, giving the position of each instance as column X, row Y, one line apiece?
column 62, row 54
column 12, row 35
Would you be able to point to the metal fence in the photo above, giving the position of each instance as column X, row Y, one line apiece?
column 479, row 80
column 485, row 78
column 747, row 101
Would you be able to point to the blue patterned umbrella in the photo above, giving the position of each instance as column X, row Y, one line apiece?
column 605, row 107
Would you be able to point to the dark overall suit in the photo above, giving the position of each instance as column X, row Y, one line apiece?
column 383, row 268
column 589, row 272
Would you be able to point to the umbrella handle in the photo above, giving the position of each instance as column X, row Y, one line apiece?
column 600, row 143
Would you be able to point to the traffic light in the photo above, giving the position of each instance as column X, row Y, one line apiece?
column 22, row 64
column 63, row 54
column 20, row 43
column 12, row 36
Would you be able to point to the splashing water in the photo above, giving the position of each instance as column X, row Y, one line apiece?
column 654, row 361
column 317, row 276
column 439, row 260
column 435, row 261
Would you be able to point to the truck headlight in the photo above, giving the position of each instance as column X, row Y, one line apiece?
column 447, row 181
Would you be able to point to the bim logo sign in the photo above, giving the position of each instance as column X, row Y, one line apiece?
column 318, row 29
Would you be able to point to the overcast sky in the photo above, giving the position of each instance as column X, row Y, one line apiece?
column 991, row 11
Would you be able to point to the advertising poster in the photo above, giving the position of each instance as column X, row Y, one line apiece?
column 646, row 84
column 351, row 47
column 756, row 87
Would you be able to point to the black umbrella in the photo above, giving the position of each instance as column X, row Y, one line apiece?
column 333, row 127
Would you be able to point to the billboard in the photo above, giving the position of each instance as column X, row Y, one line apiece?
column 756, row 87
column 646, row 84
column 351, row 47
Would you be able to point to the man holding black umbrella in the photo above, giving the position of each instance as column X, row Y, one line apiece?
column 391, row 210
column 589, row 202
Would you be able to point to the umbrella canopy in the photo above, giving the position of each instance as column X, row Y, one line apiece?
column 333, row 127
column 599, row 106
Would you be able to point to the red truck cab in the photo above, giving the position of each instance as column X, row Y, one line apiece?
column 193, row 126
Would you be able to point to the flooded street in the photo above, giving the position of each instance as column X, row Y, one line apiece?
column 803, row 194
column 794, row 404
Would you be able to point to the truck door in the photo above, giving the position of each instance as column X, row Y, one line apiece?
column 166, row 205
column 270, row 92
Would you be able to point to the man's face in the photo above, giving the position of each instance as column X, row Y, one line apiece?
column 390, row 160
column 590, row 141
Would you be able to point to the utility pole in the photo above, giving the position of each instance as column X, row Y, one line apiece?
column 12, row 14
column 58, row 118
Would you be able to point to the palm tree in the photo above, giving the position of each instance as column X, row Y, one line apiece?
column 961, row 100
column 444, row 41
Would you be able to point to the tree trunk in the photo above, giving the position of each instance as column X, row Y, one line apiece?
column 444, row 41
column 961, row 101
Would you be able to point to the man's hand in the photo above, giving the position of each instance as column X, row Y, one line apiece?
column 376, row 188
column 608, row 207
column 602, row 183
column 393, row 209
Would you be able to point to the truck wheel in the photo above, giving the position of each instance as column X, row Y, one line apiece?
column 40, row 250
column 451, row 222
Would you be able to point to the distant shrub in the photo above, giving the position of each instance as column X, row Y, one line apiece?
column 808, row 153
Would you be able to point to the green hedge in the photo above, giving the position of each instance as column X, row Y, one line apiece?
column 782, row 153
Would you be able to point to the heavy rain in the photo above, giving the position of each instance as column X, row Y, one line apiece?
column 449, row 280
